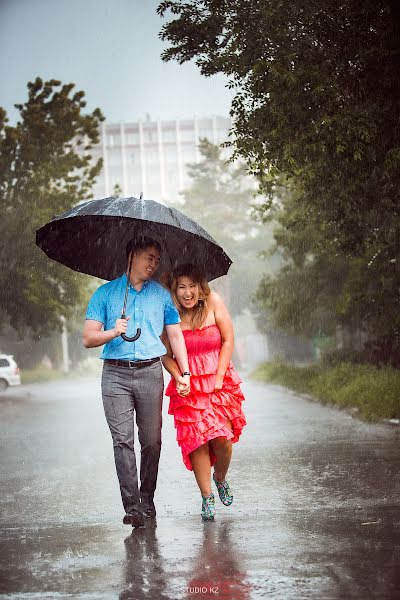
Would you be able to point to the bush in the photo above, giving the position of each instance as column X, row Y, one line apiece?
column 286, row 374
column 329, row 380
column 86, row 368
column 334, row 357
column 90, row 366
column 383, row 351
column 39, row 374
column 375, row 392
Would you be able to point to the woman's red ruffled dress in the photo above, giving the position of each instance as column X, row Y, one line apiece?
column 201, row 416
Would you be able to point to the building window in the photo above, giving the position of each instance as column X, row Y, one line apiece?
column 135, row 179
column 113, row 139
column 132, row 139
column 170, row 154
column 114, row 158
column 149, row 135
column 151, row 157
column 186, row 135
column 188, row 153
column 168, row 135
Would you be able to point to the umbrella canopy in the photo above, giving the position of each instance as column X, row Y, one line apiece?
column 91, row 238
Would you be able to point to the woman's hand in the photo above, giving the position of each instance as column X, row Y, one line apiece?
column 182, row 385
column 219, row 382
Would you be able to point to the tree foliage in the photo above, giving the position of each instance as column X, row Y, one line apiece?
column 303, row 296
column 221, row 194
column 319, row 288
column 220, row 198
column 45, row 168
column 317, row 101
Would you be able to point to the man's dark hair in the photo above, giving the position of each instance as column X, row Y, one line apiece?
column 141, row 243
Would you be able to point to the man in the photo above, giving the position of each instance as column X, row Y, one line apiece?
column 132, row 380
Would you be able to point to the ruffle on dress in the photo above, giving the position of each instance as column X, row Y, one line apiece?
column 201, row 416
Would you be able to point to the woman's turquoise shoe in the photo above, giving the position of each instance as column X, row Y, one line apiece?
column 208, row 508
column 224, row 491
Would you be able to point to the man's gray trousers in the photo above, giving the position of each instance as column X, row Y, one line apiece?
column 128, row 392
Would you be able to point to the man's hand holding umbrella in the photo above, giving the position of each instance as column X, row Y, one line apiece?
column 94, row 337
column 121, row 326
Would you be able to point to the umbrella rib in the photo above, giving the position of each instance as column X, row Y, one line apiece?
column 124, row 243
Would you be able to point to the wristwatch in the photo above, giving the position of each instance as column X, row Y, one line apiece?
column 186, row 373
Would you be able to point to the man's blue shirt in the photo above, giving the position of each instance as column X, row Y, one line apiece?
column 150, row 309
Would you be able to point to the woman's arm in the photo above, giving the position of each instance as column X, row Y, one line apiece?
column 224, row 324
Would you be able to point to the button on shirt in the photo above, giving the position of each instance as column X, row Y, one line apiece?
column 150, row 309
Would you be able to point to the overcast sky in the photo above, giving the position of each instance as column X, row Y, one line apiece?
column 108, row 48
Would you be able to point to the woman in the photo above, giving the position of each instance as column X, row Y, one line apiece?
column 208, row 417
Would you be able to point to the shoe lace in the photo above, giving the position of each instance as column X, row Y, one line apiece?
column 208, row 503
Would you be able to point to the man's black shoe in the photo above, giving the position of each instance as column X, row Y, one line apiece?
column 134, row 519
column 149, row 513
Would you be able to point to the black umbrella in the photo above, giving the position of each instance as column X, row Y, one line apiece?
column 91, row 238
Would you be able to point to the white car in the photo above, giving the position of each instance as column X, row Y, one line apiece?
column 9, row 372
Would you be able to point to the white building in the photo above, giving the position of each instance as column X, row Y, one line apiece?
column 151, row 156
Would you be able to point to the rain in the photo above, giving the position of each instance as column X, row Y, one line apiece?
column 117, row 125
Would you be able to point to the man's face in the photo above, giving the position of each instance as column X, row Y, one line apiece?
column 145, row 262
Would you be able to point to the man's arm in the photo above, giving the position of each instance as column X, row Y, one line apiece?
column 171, row 365
column 94, row 337
column 168, row 359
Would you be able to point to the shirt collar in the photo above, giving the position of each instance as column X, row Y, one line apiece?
column 124, row 279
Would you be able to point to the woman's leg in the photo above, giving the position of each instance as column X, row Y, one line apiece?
column 222, row 449
column 200, row 459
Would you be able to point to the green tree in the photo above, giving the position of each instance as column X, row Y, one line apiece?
column 221, row 195
column 45, row 168
column 317, row 95
column 220, row 198
column 319, row 288
column 317, row 90
column 117, row 191
column 302, row 297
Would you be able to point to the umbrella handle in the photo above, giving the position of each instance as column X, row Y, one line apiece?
column 127, row 338
column 134, row 338
column 123, row 315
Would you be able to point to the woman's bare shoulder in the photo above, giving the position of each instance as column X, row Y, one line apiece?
column 214, row 299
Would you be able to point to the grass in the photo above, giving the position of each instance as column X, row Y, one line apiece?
column 40, row 374
column 374, row 392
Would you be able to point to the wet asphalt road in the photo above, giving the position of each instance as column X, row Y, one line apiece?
column 316, row 511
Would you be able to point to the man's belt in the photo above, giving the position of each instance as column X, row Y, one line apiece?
column 131, row 364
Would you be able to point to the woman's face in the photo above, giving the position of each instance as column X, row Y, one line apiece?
column 187, row 292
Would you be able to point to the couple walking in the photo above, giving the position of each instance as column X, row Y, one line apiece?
column 188, row 327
